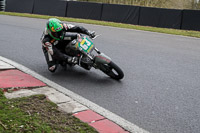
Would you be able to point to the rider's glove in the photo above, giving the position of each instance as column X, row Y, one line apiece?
column 79, row 38
column 49, row 47
column 91, row 34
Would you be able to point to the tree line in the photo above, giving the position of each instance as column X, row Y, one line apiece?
column 172, row 4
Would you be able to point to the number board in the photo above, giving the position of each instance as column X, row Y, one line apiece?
column 86, row 45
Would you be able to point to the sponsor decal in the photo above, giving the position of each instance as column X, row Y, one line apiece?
column 67, row 38
column 55, row 43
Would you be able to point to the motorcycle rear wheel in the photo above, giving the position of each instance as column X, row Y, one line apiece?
column 112, row 70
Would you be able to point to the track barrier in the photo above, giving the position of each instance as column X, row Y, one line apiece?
column 146, row 16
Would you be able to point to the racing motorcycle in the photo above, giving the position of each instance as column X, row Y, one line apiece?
column 84, row 48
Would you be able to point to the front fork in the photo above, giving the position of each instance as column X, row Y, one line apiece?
column 97, row 50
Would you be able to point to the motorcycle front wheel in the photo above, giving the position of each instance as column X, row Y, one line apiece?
column 112, row 70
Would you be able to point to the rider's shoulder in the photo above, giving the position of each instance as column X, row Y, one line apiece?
column 45, row 31
column 68, row 26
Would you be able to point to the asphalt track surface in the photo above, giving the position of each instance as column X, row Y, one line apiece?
column 161, row 88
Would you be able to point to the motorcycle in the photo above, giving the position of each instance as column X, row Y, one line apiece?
column 84, row 48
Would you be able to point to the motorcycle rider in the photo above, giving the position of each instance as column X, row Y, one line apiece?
column 54, row 39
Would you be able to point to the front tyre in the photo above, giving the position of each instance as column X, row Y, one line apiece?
column 112, row 70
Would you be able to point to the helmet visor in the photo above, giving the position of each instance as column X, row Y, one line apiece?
column 58, row 34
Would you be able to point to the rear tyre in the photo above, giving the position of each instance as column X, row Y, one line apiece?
column 112, row 70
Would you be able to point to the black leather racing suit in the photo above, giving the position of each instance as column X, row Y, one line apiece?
column 53, row 48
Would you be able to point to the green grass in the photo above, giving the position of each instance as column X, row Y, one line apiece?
column 120, row 25
column 36, row 114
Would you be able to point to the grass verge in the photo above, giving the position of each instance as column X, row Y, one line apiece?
column 120, row 25
column 35, row 114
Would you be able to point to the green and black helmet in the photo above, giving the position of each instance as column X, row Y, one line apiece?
column 55, row 28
